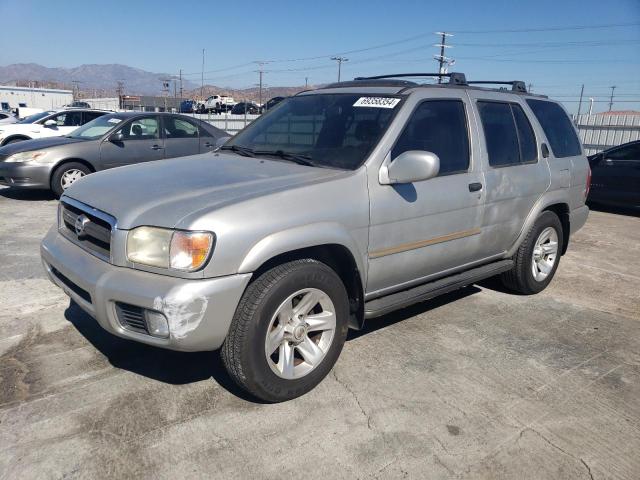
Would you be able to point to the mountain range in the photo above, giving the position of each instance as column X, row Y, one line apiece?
column 102, row 80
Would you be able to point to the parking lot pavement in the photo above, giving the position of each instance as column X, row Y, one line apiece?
column 476, row 384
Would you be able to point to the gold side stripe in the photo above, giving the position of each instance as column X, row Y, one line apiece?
column 423, row 243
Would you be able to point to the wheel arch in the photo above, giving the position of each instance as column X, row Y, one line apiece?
column 335, row 249
column 15, row 137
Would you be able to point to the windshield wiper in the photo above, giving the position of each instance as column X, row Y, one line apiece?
column 298, row 158
column 239, row 149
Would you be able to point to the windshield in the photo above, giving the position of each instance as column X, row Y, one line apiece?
column 95, row 129
column 35, row 117
column 328, row 130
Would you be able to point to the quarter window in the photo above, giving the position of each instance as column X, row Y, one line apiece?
column 528, row 147
column 557, row 127
column 440, row 127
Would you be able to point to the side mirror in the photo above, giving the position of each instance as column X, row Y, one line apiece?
column 116, row 137
column 50, row 123
column 411, row 166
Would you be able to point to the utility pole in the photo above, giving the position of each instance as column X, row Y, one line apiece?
column 165, row 91
column 202, row 78
column 120, row 92
column 260, row 72
column 441, row 59
column 180, row 83
column 580, row 101
column 530, row 87
column 613, row 87
column 590, row 106
column 76, row 88
column 339, row 60
column 306, row 82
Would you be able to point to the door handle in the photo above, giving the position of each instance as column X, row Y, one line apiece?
column 474, row 187
column 157, row 147
column 209, row 145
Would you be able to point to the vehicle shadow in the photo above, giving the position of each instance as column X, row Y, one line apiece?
column 167, row 366
column 26, row 194
column 180, row 368
column 629, row 212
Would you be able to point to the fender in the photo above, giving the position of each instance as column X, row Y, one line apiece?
column 15, row 137
column 549, row 198
column 305, row 236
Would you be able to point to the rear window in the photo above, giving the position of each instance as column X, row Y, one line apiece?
column 557, row 127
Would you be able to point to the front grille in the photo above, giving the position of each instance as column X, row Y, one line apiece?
column 131, row 317
column 81, row 292
column 96, row 234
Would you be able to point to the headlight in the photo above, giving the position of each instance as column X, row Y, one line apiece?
column 164, row 248
column 36, row 156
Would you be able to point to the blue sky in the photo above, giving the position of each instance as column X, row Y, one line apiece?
column 165, row 36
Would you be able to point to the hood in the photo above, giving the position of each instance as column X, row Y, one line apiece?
column 163, row 192
column 36, row 144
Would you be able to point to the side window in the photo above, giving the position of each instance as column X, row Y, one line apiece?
column 178, row 128
column 557, row 127
column 141, row 129
column 68, row 119
column 628, row 152
column 528, row 147
column 500, row 133
column 440, row 127
column 88, row 116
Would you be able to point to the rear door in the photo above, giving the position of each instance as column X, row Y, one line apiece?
column 181, row 137
column 141, row 142
column 514, row 172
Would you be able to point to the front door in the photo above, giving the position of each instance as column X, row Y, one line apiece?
column 66, row 122
column 141, row 142
column 425, row 229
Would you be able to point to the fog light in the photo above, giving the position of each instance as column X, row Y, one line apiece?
column 157, row 324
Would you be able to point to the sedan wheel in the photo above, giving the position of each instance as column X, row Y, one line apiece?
column 69, row 177
column 545, row 252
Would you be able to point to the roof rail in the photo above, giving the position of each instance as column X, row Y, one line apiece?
column 455, row 78
column 516, row 85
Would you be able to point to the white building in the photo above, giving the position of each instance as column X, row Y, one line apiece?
column 44, row 98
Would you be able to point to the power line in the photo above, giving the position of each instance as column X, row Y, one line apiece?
column 550, row 29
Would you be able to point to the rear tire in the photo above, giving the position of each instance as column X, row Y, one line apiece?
column 65, row 175
column 287, row 311
column 537, row 259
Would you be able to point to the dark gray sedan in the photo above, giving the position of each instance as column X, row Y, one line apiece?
column 109, row 141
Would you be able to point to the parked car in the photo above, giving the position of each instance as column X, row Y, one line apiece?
column 218, row 104
column 78, row 104
column 188, row 106
column 245, row 107
column 339, row 206
column 7, row 118
column 271, row 103
column 111, row 140
column 615, row 176
column 49, row 125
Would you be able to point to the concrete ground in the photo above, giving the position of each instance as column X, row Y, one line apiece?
column 476, row 384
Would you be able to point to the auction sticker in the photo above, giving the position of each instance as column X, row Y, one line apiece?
column 377, row 102
column 114, row 120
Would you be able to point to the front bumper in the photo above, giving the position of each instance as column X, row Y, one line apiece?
column 199, row 312
column 25, row 175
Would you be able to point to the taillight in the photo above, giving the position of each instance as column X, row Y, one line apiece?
column 588, row 185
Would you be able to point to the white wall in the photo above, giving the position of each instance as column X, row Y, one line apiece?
column 43, row 98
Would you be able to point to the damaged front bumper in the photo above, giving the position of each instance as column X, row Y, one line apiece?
column 198, row 311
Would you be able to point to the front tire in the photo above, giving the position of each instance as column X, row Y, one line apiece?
column 288, row 330
column 537, row 259
column 66, row 174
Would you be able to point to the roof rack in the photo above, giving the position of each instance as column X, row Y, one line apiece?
column 455, row 78
column 516, row 85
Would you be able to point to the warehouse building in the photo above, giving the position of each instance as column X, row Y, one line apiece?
column 147, row 103
column 43, row 98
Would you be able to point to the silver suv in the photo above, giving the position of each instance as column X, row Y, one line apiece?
column 337, row 206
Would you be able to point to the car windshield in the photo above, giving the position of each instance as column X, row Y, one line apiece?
column 35, row 117
column 96, row 128
column 327, row 130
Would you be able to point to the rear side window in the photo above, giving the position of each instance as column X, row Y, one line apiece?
column 528, row 147
column 500, row 133
column 557, row 127
column 440, row 127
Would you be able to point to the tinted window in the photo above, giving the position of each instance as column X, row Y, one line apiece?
column 557, row 127
column 141, row 129
column 628, row 152
column 88, row 116
column 68, row 119
column 500, row 133
column 440, row 127
column 178, row 128
column 528, row 147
